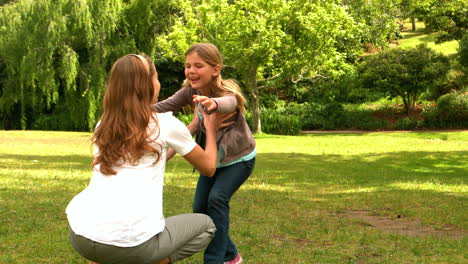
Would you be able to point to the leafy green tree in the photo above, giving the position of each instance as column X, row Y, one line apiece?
column 447, row 17
column 265, row 41
column 53, row 49
column 4, row 2
column 55, row 55
column 404, row 73
column 376, row 19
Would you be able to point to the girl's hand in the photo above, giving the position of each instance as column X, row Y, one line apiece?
column 208, row 104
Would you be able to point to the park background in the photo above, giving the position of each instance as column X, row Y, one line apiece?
column 334, row 197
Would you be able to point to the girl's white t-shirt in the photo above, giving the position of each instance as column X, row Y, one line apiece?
column 126, row 209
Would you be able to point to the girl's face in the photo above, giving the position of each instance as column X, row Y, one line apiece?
column 199, row 73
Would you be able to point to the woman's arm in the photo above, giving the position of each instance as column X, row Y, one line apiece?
column 204, row 160
column 192, row 127
column 195, row 123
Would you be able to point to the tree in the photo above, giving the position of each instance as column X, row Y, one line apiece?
column 447, row 17
column 4, row 2
column 377, row 19
column 55, row 55
column 53, row 49
column 265, row 41
column 404, row 72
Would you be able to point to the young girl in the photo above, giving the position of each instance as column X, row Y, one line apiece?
column 119, row 217
column 205, row 87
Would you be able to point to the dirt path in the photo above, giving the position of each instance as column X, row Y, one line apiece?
column 402, row 226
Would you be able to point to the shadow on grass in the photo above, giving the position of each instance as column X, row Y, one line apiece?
column 287, row 194
column 367, row 169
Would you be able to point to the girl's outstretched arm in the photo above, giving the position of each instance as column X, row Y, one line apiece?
column 225, row 104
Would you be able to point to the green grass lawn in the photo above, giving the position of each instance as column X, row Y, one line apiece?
column 414, row 38
column 299, row 206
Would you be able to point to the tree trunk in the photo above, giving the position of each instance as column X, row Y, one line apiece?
column 253, row 89
column 413, row 23
column 256, row 112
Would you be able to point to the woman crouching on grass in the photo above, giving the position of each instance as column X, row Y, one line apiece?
column 119, row 217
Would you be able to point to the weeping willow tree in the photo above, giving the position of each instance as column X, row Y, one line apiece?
column 55, row 55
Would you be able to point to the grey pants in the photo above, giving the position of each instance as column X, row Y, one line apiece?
column 183, row 236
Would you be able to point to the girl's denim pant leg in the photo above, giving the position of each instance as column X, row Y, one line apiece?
column 212, row 198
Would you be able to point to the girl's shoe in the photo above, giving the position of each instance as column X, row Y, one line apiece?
column 236, row 260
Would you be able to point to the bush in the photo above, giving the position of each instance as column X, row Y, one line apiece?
column 332, row 116
column 364, row 119
column 407, row 123
column 277, row 122
column 464, row 51
column 451, row 111
column 308, row 114
column 185, row 118
column 404, row 73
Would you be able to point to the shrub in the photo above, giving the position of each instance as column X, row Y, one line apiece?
column 185, row 118
column 405, row 73
column 308, row 114
column 332, row 116
column 451, row 111
column 275, row 121
column 364, row 119
column 407, row 123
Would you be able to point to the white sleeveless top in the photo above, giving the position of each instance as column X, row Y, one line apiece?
column 126, row 209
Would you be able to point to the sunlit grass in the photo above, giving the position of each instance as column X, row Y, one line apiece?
column 287, row 212
column 414, row 38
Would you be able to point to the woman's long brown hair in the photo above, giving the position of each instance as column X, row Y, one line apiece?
column 122, row 135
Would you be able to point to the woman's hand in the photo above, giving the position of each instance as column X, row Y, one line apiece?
column 208, row 103
column 209, row 120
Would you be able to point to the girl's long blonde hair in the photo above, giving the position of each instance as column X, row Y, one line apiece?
column 122, row 134
column 211, row 55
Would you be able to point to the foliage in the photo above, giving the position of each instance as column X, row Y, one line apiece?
column 315, row 116
column 185, row 118
column 55, row 55
column 264, row 41
column 404, row 72
column 42, row 48
column 464, row 52
column 447, row 17
column 407, row 123
column 4, row 2
column 363, row 119
column 451, row 111
column 376, row 20
column 277, row 122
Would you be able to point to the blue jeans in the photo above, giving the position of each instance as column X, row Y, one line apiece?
column 212, row 198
